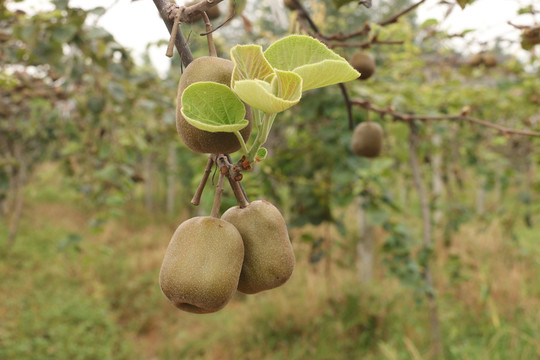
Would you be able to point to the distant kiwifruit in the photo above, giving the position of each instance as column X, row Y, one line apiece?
column 490, row 60
column 530, row 37
column 364, row 63
column 213, row 12
column 208, row 68
column 269, row 258
column 202, row 265
column 476, row 60
column 290, row 4
column 367, row 139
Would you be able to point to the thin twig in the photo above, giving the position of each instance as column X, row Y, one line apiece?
column 219, row 192
column 180, row 42
column 365, row 44
column 340, row 36
column 174, row 31
column 198, row 194
column 303, row 12
column 396, row 17
column 348, row 105
column 426, row 220
column 211, row 46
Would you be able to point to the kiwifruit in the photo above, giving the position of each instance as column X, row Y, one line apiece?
column 202, row 264
column 290, row 4
column 490, row 60
column 213, row 13
column 364, row 63
column 476, row 60
column 208, row 68
column 367, row 139
column 269, row 258
column 530, row 37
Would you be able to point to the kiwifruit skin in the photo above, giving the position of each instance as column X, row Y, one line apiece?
column 202, row 265
column 367, row 139
column 208, row 68
column 268, row 254
column 363, row 63
column 476, row 60
column 290, row 4
column 490, row 60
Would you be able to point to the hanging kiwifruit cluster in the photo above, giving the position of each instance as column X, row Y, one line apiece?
column 364, row 63
column 208, row 68
column 208, row 258
column 247, row 249
column 367, row 139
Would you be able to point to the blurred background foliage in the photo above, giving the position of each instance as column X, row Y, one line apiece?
column 94, row 180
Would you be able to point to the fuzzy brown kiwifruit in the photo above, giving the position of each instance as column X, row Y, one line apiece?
column 290, row 4
column 367, row 139
column 202, row 265
column 476, row 60
column 268, row 254
column 530, row 37
column 208, row 68
column 489, row 59
column 364, row 63
column 213, row 13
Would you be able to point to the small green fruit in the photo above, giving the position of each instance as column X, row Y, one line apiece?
column 269, row 258
column 208, row 68
column 202, row 265
column 363, row 63
column 367, row 139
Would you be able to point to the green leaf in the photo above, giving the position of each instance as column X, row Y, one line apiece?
column 262, row 153
column 463, row 3
column 249, row 64
column 312, row 60
column 339, row 3
column 526, row 10
column 213, row 107
column 284, row 91
column 429, row 23
column 64, row 34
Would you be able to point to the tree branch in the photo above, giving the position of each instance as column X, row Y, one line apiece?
column 396, row 17
column 365, row 44
column 426, row 220
column 348, row 105
column 365, row 104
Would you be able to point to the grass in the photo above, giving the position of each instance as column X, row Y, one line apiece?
column 69, row 292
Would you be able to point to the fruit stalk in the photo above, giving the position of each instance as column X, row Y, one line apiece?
column 197, row 196
column 219, row 192
column 262, row 134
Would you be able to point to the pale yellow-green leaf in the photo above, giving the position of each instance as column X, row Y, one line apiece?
column 249, row 64
column 287, row 85
column 312, row 60
column 284, row 92
column 213, row 107
column 325, row 73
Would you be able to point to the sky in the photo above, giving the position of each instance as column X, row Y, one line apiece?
column 135, row 24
